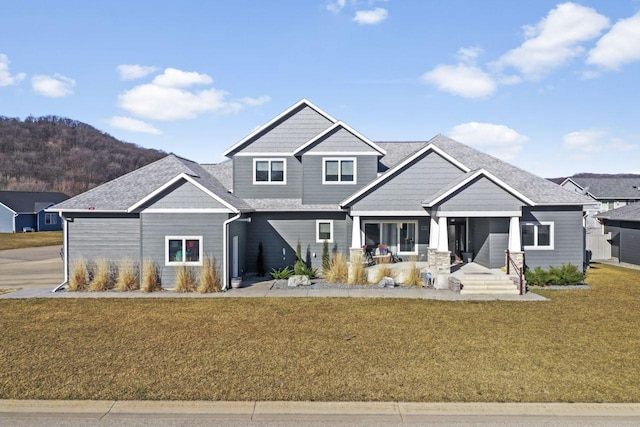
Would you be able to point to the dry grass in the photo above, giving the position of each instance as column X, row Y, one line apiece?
column 339, row 270
column 210, row 280
column 382, row 271
column 185, row 279
column 412, row 277
column 151, row 276
column 102, row 276
column 357, row 272
column 78, row 276
column 30, row 240
column 578, row 346
column 128, row 276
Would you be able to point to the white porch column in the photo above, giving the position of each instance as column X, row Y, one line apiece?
column 433, row 233
column 443, row 238
column 355, row 233
column 514, row 235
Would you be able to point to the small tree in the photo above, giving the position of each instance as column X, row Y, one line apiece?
column 326, row 259
column 298, row 251
column 260, row 261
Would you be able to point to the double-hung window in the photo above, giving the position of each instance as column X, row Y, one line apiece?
column 324, row 230
column 537, row 235
column 183, row 250
column 339, row 171
column 269, row 171
column 50, row 218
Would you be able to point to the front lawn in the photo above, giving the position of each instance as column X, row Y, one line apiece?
column 30, row 240
column 579, row 346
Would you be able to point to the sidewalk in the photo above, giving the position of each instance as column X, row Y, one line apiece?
column 354, row 411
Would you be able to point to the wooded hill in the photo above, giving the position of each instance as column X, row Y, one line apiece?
column 59, row 154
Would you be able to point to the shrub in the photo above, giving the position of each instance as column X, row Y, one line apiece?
column 566, row 275
column 298, row 251
column 78, row 279
column 282, row 274
column 382, row 271
column 102, row 276
column 413, row 275
column 304, row 270
column 210, row 280
column 339, row 269
column 536, row 277
column 326, row 259
column 358, row 275
column 260, row 260
column 185, row 279
column 128, row 276
column 151, row 276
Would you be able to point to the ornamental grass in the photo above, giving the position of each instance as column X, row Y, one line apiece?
column 339, row 270
column 210, row 279
column 150, row 276
column 78, row 277
column 128, row 276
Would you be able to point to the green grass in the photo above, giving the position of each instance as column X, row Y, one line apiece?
column 579, row 346
column 30, row 240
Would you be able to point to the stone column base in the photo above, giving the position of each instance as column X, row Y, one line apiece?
column 354, row 251
column 443, row 269
column 518, row 258
column 432, row 261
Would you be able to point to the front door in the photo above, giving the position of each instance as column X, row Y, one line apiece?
column 457, row 237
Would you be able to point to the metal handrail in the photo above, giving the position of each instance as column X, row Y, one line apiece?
column 511, row 262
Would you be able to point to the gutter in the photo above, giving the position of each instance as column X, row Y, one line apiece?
column 225, row 252
column 65, row 253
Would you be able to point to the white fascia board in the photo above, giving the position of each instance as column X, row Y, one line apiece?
column 8, row 208
column 478, row 214
column 276, row 120
column 87, row 210
column 173, row 181
column 346, row 127
column 185, row 210
column 389, row 213
column 391, row 172
column 264, row 154
column 342, row 153
column 491, row 177
column 571, row 181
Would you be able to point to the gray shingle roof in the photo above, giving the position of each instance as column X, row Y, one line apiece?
column 630, row 212
column 397, row 152
column 30, row 201
column 222, row 171
column 611, row 187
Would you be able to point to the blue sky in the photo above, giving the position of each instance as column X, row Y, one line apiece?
column 549, row 86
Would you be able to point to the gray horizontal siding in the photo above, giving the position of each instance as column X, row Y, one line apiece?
column 278, row 231
column 156, row 226
column 298, row 128
column 6, row 220
column 316, row 192
column 489, row 238
column 184, row 195
column 481, row 195
column 244, row 187
column 341, row 140
column 568, row 237
column 108, row 236
column 625, row 240
column 406, row 190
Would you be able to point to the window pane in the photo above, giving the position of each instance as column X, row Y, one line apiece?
column 527, row 235
column 175, row 251
column 346, row 173
column 324, row 231
column 262, row 171
column 193, row 250
column 331, row 170
column 277, row 171
column 390, row 236
column 407, row 237
column 372, row 234
column 544, row 235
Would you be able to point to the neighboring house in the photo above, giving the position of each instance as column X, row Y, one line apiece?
column 624, row 225
column 307, row 177
column 25, row 211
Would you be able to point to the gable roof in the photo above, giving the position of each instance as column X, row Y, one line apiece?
column 338, row 125
column 630, row 212
column 609, row 187
column 259, row 131
column 127, row 191
column 30, row 201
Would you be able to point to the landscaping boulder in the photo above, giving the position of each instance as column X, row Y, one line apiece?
column 386, row 282
column 298, row 280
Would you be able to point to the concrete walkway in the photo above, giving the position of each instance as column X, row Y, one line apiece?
column 400, row 412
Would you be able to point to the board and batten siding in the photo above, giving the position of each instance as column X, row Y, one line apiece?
column 156, row 226
column 184, row 195
column 114, row 237
column 280, row 232
column 407, row 189
column 244, row 187
column 569, row 240
column 315, row 192
column 481, row 195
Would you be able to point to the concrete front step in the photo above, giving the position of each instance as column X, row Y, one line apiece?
column 487, row 283
column 502, row 286
column 489, row 291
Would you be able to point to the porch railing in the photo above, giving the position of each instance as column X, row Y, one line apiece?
column 512, row 264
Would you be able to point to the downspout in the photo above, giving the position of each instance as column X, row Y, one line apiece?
column 65, row 253
column 15, row 215
column 225, row 251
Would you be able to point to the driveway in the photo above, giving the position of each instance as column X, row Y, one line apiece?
column 31, row 268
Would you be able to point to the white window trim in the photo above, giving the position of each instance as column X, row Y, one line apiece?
column 535, row 246
column 322, row 221
column 168, row 262
column 416, row 228
column 339, row 160
column 53, row 218
column 271, row 159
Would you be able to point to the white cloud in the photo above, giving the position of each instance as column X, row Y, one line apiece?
column 56, row 86
column 621, row 45
column 595, row 141
column 168, row 97
column 133, row 125
column 464, row 80
column 132, row 72
column 469, row 54
column 371, row 17
column 554, row 40
column 336, row 6
column 6, row 79
column 498, row 140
